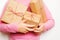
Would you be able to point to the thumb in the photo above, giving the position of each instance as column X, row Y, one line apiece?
column 29, row 29
column 41, row 26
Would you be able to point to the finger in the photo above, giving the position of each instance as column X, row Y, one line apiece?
column 24, row 21
column 40, row 24
column 29, row 29
column 24, row 31
column 29, row 25
column 39, row 30
column 36, row 31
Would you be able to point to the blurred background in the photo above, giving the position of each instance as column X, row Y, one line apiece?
column 54, row 33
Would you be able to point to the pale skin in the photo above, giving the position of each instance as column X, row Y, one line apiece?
column 40, row 29
column 24, row 28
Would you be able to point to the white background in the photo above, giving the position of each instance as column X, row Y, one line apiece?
column 54, row 33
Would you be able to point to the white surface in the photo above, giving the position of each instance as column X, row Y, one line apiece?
column 53, row 34
column 54, row 7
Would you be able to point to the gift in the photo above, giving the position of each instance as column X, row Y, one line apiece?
column 10, row 17
column 32, row 18
column 13, row 7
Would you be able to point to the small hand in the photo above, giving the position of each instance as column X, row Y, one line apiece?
column 24, row 28
column 40, row 29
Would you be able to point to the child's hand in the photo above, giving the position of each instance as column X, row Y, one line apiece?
column 24, row 28
column 40, row 29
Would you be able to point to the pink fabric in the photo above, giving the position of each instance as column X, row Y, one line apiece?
column 50, row 21
column 28, row 36
column 12, row 28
